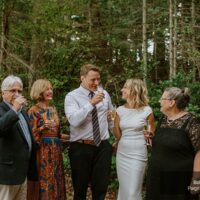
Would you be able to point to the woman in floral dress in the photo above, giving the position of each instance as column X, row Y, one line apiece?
column 45, row 127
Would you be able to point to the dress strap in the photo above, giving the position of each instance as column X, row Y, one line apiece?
column 160, row 122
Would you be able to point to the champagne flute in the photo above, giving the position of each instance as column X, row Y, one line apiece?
column 51, row 116
column 100, row 89
column 147, row 128
column 113, row 112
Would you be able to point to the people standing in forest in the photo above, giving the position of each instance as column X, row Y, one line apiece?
column 17, row 147
column 174, row 170
column 90, row 151
column 46, row 131
column 131, row 159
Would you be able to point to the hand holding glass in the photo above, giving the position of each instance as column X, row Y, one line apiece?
column 147, row 133
column 51, row 117
column 113, row 112
column 100, row 89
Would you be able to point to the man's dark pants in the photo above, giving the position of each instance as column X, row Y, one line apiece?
column 90, row 165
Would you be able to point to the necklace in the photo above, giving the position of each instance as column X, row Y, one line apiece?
column 173, row 119
column 170, row 121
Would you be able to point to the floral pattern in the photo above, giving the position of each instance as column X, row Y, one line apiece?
column 50, row 163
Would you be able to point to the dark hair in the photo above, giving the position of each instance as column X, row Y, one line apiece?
column 181, row 96
column 88, row 67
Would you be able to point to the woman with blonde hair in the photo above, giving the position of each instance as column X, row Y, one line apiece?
column 130, row 121
column 46, row 131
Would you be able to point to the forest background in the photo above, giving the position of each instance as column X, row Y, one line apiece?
column 156, row 40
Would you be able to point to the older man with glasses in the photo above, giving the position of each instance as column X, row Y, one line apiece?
column 17, row 148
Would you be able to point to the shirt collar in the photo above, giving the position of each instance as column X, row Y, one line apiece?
column 84, row 90
column 10, row 106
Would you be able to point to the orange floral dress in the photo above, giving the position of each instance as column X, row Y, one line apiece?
column 50, row 162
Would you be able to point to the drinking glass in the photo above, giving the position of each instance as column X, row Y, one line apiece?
column 147, row 128
column 100, row 89
column 113, row 112
column 51, row 116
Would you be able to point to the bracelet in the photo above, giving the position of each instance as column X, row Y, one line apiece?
column 195, row 186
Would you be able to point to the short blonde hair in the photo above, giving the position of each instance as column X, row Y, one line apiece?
column 138, row 93
column 88, row 67
column 38, row 87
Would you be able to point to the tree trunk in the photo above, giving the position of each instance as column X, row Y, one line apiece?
column 4, row 33
column 174, row 41
column 90, row 16
column 193, row 39
column 144, row 40
column 35, row 54
column 171, row 39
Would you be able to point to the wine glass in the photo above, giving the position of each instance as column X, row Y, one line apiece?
column 51, row 116
column 147, row 129
column 113, row 112
column 100, row 89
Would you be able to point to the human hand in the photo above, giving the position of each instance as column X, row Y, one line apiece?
column 19, row 102
column 49, row 124
column 114, row 147
column 97, row 98
column 64, row 138
column 148, row 135
column 195, row 184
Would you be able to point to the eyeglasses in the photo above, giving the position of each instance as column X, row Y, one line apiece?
column 162, row 99
column 14, row 91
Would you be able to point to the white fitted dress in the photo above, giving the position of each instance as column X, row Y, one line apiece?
column 132, row 152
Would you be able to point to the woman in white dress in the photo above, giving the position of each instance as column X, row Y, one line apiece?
column 130, row 121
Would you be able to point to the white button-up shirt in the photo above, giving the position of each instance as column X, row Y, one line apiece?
column 78, row 111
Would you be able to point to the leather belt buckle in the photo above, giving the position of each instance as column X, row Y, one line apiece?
column 91, row 142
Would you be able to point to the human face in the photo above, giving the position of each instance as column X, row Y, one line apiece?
column 125, row 92
column 166, row 103
column 12, row 93
column 91, row 80
column 48, row 94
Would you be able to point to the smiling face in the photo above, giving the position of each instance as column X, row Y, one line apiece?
column 12, row 93
column 91, row 80
column 48, row 94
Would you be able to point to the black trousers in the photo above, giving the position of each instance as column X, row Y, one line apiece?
column 90, row 164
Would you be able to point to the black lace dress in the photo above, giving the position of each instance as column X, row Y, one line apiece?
column 171, row 162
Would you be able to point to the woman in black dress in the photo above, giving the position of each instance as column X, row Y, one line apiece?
column 174, row 168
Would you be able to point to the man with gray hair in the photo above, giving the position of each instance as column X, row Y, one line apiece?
column 17, row 148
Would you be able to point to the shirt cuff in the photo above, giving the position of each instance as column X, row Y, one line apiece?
column 89, row 106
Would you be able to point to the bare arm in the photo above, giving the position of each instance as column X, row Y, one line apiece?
column 196, row 167
column 151, row 121
column 195, row 183
column 116, row 129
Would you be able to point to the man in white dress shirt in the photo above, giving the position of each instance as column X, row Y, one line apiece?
column 90, row 162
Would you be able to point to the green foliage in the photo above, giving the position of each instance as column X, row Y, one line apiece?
column 181, row 80
column 65, row 34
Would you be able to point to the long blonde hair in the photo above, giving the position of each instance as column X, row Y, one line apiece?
column 138, row 93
